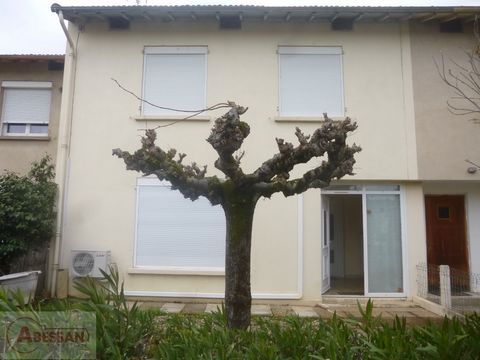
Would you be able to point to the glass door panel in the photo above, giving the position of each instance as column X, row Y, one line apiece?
column 384, row 244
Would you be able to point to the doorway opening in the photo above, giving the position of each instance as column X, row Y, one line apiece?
column 362, row 240
column 345, row 238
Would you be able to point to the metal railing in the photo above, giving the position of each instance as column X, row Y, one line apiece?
column 453, row 289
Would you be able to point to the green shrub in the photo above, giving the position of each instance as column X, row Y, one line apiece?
column 27, row 216
column 123, row 330
column 206, row 337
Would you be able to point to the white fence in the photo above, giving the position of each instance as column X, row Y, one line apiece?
column 454, row 290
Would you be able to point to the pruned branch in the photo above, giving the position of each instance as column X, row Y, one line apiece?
column 328, row 139
column 340, row 161
column 227, row 137
column 190, row 180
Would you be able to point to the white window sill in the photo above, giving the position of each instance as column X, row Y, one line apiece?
column 24, row 137
column 314, row 119
column 172, row 118
column 174, row 270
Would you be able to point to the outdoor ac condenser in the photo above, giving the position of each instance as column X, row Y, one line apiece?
column 89, row 262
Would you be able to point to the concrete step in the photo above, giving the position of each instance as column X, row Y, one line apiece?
column 172, row 308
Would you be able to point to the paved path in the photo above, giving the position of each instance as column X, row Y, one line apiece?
column 413, row 313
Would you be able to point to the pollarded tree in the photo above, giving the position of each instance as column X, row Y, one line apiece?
column 238, row 192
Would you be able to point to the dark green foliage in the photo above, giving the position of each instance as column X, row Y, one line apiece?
column 452, row 340
column 206, row 337
column 123, row 330
column 27, row 215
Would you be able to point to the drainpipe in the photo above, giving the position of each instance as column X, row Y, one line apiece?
column 56, row 8
column 63, row 146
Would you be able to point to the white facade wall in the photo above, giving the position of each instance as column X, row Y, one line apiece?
column 242, row 66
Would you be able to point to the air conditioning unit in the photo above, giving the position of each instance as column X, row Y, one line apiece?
column 89, row 262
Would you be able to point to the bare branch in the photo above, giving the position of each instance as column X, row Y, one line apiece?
column 464, row 80
column 472, row 163
column 196, row 112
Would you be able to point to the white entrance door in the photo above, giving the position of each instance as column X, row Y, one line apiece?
column 325, row 244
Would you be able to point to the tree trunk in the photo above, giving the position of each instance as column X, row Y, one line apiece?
column 238, row 298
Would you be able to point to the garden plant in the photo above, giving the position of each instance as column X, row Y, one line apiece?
column 126, row 331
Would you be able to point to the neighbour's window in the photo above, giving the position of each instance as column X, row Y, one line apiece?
column 176, row 232
column 174, row 77
column 26, row 108
column 311, row 81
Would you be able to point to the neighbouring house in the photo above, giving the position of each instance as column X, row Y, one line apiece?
column 444, row 142
column 363, row 236
column 30, row 98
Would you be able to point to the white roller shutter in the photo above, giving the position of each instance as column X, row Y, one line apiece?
column 174, row 77
column 26, row 106
column 311, row 81
column 175, row 232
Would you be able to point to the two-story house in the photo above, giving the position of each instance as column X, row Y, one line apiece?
column 362, row 236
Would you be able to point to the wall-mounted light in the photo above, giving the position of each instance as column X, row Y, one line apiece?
column 472, row 170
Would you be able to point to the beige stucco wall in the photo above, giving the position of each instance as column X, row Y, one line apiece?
column 414, row 231
column 444, row 140
column 17, row 155
column 242, row 66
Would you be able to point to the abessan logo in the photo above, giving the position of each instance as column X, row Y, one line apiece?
column 52, row 335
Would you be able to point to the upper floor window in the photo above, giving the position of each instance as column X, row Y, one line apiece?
column 311, row 81
column 26, row 108
column 174, row 77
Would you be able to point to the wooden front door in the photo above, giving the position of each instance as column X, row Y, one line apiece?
column 446, row 231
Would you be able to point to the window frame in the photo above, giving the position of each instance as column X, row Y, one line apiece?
column 26, row 85
column 164, row 269
column 310, row 50
column 172, row 50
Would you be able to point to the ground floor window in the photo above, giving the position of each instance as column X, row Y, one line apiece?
column 172, row 231
column 364, row 251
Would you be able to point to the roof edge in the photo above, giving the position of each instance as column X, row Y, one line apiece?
column 32, row 57
column 270, row 13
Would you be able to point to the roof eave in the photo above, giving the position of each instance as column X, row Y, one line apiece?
column 31, row 57
column 259, row 13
